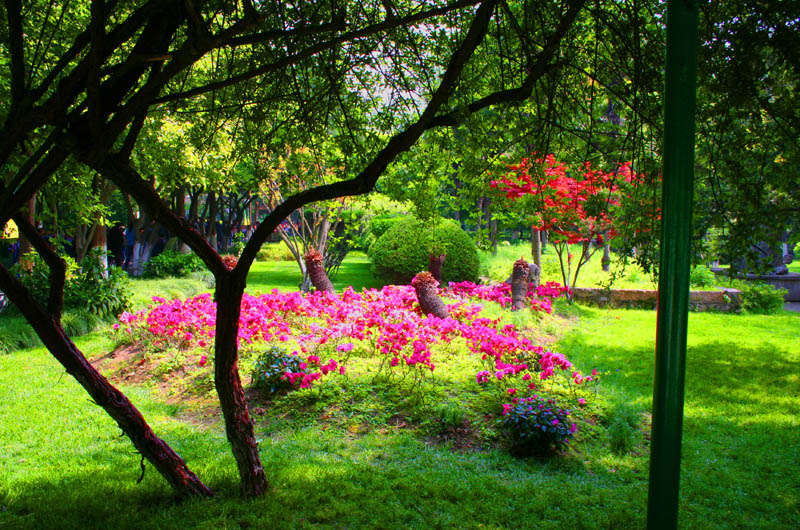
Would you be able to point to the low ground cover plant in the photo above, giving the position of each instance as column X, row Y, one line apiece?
column 536, row 425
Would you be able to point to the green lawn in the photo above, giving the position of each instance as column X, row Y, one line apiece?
column 285, row 275
column 498, row 268
column 64, row 464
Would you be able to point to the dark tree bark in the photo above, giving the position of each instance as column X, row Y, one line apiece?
column 171, row 466
column 24, row 242
column 427, row 296
column 519, row 284
column 315, row 266
column 435, row 264
column 238, row 425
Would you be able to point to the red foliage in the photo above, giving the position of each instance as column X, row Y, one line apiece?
column 574, row 206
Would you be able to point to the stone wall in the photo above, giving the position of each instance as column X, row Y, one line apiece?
column 790, row 282
column 726, row 300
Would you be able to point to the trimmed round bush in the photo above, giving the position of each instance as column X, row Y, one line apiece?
column 403, row 250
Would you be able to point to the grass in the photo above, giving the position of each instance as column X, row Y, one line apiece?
column 741, row 409
column 498, row 268
column 285, row 275
column 360, row 453
column 359, row 470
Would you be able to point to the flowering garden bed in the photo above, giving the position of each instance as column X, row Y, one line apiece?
column 299, row 342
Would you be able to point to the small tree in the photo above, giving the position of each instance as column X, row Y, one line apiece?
column 575, row 207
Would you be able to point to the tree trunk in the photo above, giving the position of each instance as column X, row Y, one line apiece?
column 168, row 463
column 435, row 264
column 493, row 235
column 536, row 248
column 427, row 296
column 535, row 276
column 316, row 271
column 238, row 425
column 211, row 229
column 100, row 240
column 180, row 211
column 519, row 284
column 606, row 261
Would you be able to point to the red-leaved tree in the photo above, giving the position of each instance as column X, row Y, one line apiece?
column 577, row 207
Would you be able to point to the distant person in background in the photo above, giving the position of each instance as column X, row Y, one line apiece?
column 116, row 245
column 130, row 239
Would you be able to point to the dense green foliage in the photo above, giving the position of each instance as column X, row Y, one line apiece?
column 403, row 251
column 761, row 298
column 701, row 276
column 378, row 226
column 274, row 252
column 170, row 263
column 86, row 287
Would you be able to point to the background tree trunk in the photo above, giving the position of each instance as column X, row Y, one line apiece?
column 315, row 266
column 519, row 284
column 536, row 248
column 435, row 264
column 606, row 261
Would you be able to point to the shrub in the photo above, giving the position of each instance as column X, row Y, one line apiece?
column 104, row 297
column 170, row 263
column 274, row 252
column 536, row 426
column 378, row 226
column 403, row 251
column 85, row 286
column 761, row 298
column 701, row 276
column 271, row 366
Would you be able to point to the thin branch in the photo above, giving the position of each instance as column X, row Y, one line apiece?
column 12, row 200
column 313, row 50
column 97, row 36
column 525, row 90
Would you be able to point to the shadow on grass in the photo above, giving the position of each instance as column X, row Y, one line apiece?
column 740, row 421
column 323, row 479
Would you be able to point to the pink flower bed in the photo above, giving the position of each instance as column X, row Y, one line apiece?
column 385, row 322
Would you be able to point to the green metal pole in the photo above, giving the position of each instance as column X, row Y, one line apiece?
column 673, row 285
